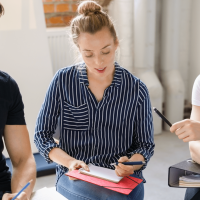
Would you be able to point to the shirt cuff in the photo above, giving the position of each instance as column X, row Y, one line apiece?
column 47, row 151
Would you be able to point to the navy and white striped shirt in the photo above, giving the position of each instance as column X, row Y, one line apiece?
column 95, row 132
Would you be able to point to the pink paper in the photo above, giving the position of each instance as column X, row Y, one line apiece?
column 125, row 186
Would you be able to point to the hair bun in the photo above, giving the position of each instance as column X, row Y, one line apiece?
column 89, row 8
column 1, row 10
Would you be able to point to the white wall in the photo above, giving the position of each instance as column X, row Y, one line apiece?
column 194, row 69
column 144, row 22
column 124, row 26
column 184, row 49
column 180, row 50
column 188, row 55
column 62, row 48
column 25, row 54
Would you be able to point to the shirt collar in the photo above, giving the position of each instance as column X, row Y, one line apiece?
column 116, row 80
column 117, row 76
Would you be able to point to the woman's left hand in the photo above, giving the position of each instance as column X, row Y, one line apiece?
column 124, row 170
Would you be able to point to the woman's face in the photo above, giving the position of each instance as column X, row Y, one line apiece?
column 98, row 51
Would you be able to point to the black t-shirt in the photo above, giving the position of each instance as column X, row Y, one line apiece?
column 11, row 113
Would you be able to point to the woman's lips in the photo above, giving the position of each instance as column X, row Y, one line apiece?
column 101, row 70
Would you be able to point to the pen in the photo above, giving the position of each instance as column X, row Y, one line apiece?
column 22, row 190
column 129, row 163
column 161, row 116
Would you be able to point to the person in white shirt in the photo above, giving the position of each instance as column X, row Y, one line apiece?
column 189, row 131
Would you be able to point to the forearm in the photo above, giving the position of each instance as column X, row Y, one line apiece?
column 137, row 157
column 23, row 172
column 61, row 157
column 195, row 151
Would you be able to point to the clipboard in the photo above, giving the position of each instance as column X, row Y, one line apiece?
column 125, row 186
column 183, row 168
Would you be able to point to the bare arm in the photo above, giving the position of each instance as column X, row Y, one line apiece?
column 18, row 146
column 189, row 131
column 62, row 158
column 59, row 156
column 194, row 146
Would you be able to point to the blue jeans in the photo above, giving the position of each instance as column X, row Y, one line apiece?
column 81, row 190
column 191, row 192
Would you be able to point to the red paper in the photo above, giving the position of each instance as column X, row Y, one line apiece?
column 125, row 186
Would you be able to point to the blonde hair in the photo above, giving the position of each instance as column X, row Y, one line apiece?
column 91, row 18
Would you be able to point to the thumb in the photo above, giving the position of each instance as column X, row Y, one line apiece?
column 8, row 196
column 123, row 159
column 85, row 167
column 173, row 128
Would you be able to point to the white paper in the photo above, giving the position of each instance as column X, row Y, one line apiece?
column 47, row 194
column 190, row 178
column 102, row 172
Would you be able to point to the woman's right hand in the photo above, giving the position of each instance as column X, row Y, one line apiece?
column 8, row 196
column 77, row 164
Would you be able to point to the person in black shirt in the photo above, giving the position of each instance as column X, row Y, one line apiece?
column 14, row 131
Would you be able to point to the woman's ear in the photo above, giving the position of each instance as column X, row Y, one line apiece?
column 116, row 44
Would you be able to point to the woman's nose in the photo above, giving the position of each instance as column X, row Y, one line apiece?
column 99, row 61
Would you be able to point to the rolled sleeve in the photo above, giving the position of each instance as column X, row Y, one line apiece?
column 47, row 120
column 143, row 140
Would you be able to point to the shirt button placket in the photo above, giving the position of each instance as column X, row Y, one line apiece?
column 95, row 130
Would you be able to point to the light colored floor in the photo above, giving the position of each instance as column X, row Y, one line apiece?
column 46, row 181
column 168, row 151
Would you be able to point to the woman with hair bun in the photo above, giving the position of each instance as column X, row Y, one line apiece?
column 105, row 112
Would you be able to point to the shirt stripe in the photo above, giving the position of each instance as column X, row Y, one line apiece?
column 121, row 124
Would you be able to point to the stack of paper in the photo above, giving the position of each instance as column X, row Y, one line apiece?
column 47, row 194
column 190, row 180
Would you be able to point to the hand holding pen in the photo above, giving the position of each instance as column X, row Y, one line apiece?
column 126, row 170
column 186, row 130
column 21, row 195
column 129, row 163
column 8, row 196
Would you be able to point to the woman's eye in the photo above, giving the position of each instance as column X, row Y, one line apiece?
column 106, row 52
column 88, row 55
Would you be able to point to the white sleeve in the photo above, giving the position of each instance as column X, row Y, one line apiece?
column 196, row 92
